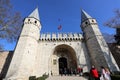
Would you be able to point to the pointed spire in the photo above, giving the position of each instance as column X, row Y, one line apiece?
column 84, row 16
column 35, row 14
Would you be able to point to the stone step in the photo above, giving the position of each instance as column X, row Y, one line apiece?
column 66, row 78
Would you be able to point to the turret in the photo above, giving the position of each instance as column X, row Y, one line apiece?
column 32, row 25
column 23, row 63
column 100, row 54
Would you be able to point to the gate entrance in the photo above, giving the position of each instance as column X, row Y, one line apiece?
column 62, row 64
column 64, row 57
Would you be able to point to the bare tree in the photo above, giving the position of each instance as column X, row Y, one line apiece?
column 10, row 22
column 109, row 37
column 115, row 23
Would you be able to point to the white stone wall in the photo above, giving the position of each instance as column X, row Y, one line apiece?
column 3, row 57
column 46, row 50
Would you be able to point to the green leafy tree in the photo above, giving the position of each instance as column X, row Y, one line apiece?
column 10, row 22
column 115, row 23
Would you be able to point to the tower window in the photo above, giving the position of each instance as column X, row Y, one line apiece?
column 35, row 21
column 86, row 22
column 92, row 20
column 28, row 19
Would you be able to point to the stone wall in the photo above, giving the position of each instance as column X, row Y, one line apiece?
column 5, row 59
column 115, row 49
column 47, row 50
column 3, row 56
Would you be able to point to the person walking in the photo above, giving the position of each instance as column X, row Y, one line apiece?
column 102, row 77
column 107, row 74
column 94, row 73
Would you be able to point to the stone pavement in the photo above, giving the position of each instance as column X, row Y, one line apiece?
column 66, row 78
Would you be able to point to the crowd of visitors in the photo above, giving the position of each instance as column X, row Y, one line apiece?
column 94, row 75
column 71, row 71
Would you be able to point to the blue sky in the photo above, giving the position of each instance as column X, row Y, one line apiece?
column 69, row 13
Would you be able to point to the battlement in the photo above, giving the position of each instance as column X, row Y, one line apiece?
column 61, row 36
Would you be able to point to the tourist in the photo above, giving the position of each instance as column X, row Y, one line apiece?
column 107, row 74
column 71, row 71
column 65, row 71
column 75, row 72
column 94, row 73
column 51, row 73
column 80, row 71
column 102, row 77
column 61, row 71
column 68, row 71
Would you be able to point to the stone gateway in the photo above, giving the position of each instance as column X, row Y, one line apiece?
column 47, row 53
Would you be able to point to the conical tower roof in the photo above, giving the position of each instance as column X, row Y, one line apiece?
column 35, row 14
column 84, row 16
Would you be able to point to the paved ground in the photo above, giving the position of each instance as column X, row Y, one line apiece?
column 66, row 78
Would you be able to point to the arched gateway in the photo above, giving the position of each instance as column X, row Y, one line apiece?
column 63, row 57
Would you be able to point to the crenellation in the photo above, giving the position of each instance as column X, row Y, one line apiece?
column 42, row 36
column 60, row 36
column 48, row 36
column 75, row 35
column 64, row 36
column 54, row 36
column 70, row 35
